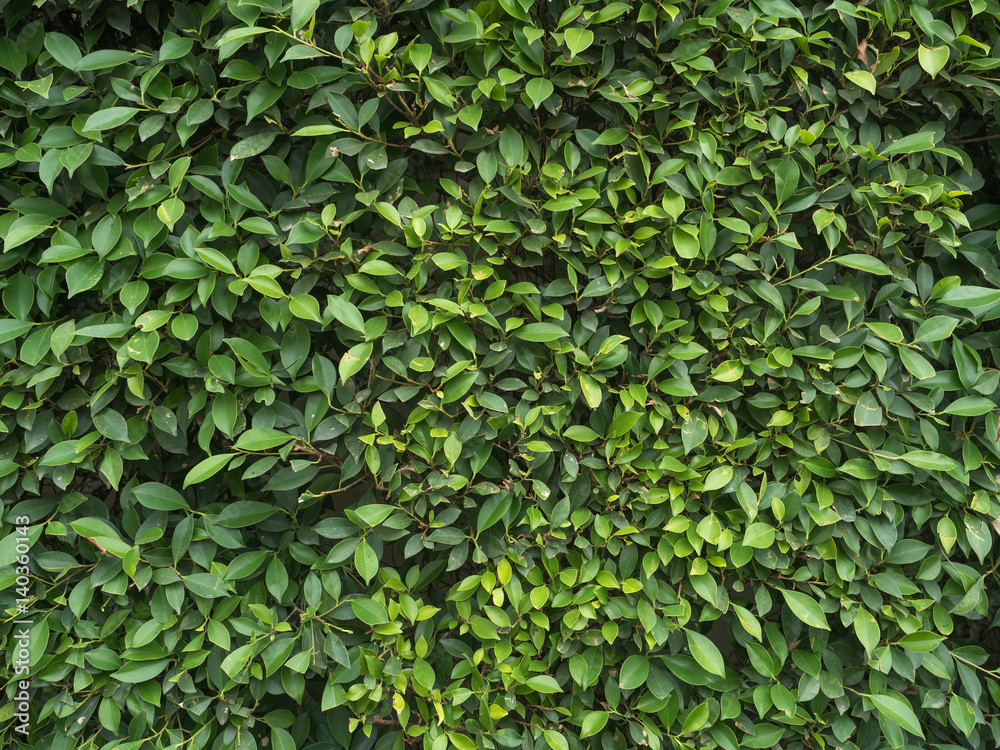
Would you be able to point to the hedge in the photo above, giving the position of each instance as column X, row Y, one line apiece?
column 513, row 374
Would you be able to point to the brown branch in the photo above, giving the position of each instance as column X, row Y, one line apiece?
column 197, row 147
column 974, row 140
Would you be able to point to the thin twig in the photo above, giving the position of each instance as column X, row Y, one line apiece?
column 193, row 149
column 974, row 140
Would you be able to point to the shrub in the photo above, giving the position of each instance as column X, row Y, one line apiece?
column 513, row 374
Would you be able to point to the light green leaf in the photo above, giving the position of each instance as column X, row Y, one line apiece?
column 864, row 79
column 578, row 40
column 543, row 684
column 933, row 59
column 207, row 468
column 539, row 332
column 718, row 478
column 354, row 359
column 538, row 90
column 593, row 722
column 306, row 307
column 758, row 536
column 929, row 460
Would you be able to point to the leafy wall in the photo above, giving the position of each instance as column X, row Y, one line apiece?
column 512, row 374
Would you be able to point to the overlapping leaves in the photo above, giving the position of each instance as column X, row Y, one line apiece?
column 502, row 374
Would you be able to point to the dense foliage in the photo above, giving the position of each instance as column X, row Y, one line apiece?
column 513, row 374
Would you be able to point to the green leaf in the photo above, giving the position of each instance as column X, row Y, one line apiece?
column 543, row 684
column 63, row 49
column 236, row 660
column 354, row 359
column 782, row 9
column 493, row 509
column 302, row 12
column 170, row 211
column 970, row 406
column 158, row 496
column 732, row 176
column 306, row 307
column 962, row 713
column 718, row 478
column 592, row 392
column 634, row 672
column 938, row 328
column 758, row 536
column 768, row 292
column 111, row 424
column 929, row 460
column 261, row 439
column 366, row 561
column 317, row 130
column 94, row 527
column 593, row 722
column 865, row 263
column 110, row 118
column 373, row 515
column 420, row 55
column 423, row 673
column 886, row 331
column 920, row 642
column 104, row 59
column 578, row 40
column 140, row 671
column 974, row 595
column 899, row 711
column 805, row 608
column 346, row 313
column 705, row 652
column 867, row 629
column 538, row 90
column 933, row 59
column 916, row 364
column 369, row 611
column 207, row 585
column 909, row 144
column 216, row 260
column 862, row 78
column 867, row 412
column 786, row 178
column 245, row 513
column 540, row 332
column 969, row 297
column 257, row 144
